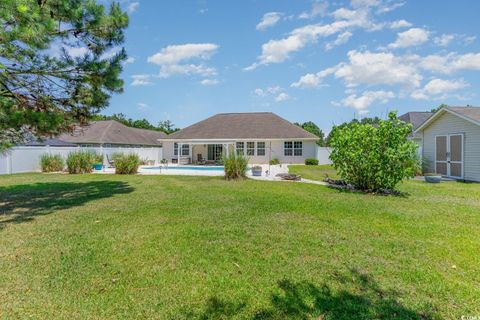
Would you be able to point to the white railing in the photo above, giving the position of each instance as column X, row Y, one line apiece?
column 27, row 159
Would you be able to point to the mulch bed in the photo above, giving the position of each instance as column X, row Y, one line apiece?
column 343, row 186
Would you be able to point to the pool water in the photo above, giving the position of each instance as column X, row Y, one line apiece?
column 195, row 168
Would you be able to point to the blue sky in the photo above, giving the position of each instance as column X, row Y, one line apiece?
column 324, row 61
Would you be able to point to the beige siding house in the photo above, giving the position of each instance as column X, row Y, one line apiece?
column 261, row 136
column 451, row 142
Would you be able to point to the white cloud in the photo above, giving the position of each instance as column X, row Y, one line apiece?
column 141, row 80
column 438, row 87
column 282, row 97
column 342, row 38
column 277, row 51
column 319, row 8
column 400, row 24
column 129, row 60
column 142, row 106
column 362, row 102
column 203, row 10
column 132, row 7
column 449, row 63
column 311, row 80
column 269, row 90
column 444, row 40
column 171, row 57
column 390, row 6
column 366, row 68
column 409, row 38
column 469, row 39
column 269, row 20
column 209, row 82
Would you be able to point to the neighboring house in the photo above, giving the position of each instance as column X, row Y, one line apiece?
column 49, row 142
column 111, row 133
column 451, row 142
column 261, row 136
column 416, row 119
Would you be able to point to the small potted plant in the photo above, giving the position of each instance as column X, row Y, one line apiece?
column 98, row 162
column 432, row 177
column 257, row 171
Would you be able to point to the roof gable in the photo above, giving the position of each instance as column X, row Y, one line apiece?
column 255, row 125
column 471, row 114
column 415, row 118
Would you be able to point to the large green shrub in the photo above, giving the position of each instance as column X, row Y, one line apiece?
column 311, row 162
column 374, row 157
column 274, row 162
column 126, row 163
column 81, row 161
column 235, row 165
column 51, row 162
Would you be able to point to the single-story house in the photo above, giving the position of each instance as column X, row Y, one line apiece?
column 53, row 142
column 261, row 136
column 416, row 119
column 111, row 133
column 451, row 142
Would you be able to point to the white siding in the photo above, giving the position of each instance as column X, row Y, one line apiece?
column 309, row 151
column 449, row 124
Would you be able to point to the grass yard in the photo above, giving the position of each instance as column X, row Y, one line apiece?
column 314, row 172
column 163, row 247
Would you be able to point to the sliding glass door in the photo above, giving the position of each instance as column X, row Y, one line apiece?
column 215, row 152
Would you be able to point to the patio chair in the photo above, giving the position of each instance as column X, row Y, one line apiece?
column 111, row 162
column 200, row 159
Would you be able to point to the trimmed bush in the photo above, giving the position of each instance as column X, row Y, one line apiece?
column 374, row 158
column 126, row 163
column 311, row 162
column 80, row 161
column 274, row 162
column 51, row 162
column 236, row 166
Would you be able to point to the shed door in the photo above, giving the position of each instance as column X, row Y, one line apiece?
column 455, row 155
column 441, row 155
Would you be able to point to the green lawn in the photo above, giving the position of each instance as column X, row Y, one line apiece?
column 314, row 172
column 163, row 247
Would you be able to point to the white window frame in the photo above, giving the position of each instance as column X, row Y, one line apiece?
column 185, row 147
column 293, row 148
column 248, row 149
column 298, row 148
column 240, row 150
column 263, row 149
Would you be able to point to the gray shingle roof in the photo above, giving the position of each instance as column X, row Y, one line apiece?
column 415, row 118
column 112, row 132
column 255, row 125
column 469, row 112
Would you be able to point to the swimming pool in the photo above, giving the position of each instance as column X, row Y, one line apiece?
column 195, row 168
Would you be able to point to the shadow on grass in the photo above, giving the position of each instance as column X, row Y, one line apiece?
column 22, row 203
column 303, row 300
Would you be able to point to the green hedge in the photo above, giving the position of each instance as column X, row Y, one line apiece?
column 126, row 163
column 311, row 162
column 81, row 161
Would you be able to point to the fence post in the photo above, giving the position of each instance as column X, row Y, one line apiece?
column 9, row 161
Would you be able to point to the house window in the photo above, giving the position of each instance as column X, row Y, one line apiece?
column 250, row 148
column 288, row 148
column 185, row 149
column 240, row 146
column 260, row 148
column 293, row 148
column 297, row 148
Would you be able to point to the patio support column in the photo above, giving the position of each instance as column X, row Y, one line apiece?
column 179, row 153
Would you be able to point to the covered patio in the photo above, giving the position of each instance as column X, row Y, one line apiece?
column 202, row 152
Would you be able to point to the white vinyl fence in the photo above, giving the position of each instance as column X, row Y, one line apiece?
column 323, row 155
column 27, row 159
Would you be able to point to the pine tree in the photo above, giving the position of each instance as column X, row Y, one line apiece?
column 59, row 63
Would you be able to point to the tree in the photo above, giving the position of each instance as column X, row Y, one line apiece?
column 374, row 158
column 443, row 105
column 59, row 63
column 314, row 129
column 167, row 126
column 372, row 121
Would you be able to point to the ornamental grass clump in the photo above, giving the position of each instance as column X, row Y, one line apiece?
column 374, row 158
column 81, row 161
column 51, row 162
column 235, row 165
column 126, row 163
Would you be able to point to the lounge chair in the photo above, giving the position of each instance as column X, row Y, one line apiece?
column 111, row 162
